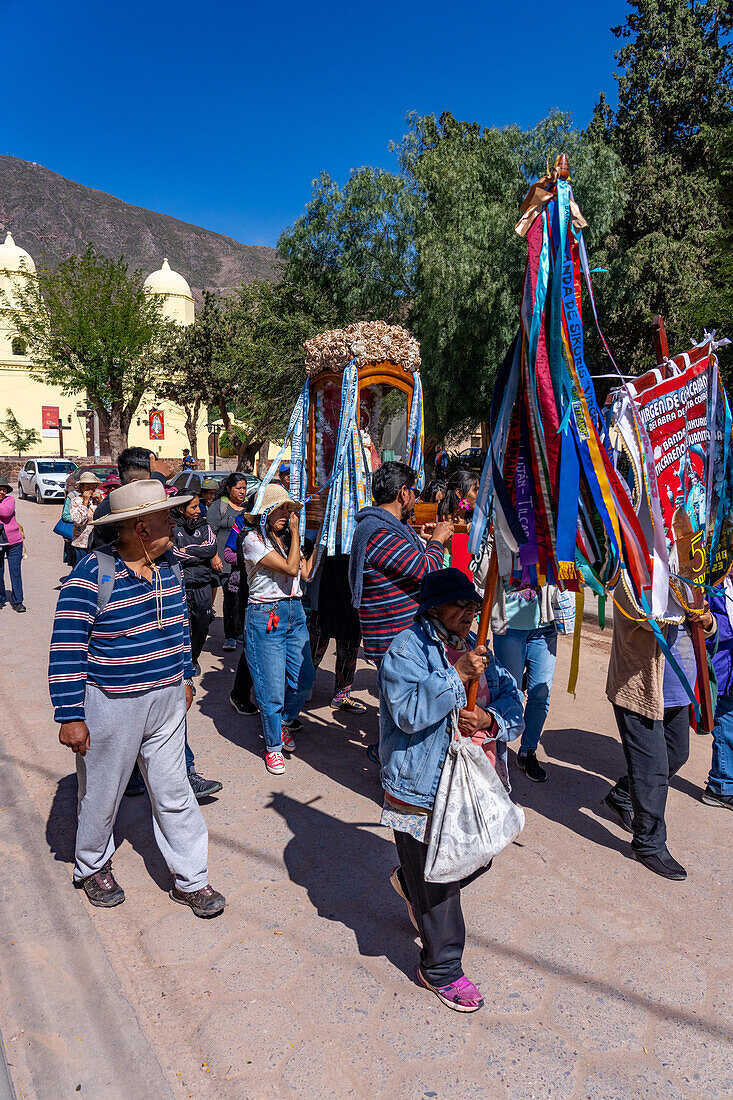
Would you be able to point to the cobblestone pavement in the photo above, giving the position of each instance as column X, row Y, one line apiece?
column 600, row 980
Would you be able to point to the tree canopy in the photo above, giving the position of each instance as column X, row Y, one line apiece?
column 433, row 246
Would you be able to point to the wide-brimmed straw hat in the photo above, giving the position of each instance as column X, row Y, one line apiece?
column 138, row 499
column 273, row 497
column 88, row 478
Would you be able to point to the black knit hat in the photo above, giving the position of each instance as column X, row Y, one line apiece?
column 446, row 586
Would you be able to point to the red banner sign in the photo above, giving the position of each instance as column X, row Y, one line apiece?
column 50, row 420
column 675, row 413
column 157, row 424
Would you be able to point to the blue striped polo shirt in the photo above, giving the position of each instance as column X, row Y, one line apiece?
column 122, row 649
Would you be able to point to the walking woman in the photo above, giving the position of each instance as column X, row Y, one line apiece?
column 227, row 507
column 11, row 548
column 457, row 507
column 276, row 634
column 423, row 683
column 82, row 506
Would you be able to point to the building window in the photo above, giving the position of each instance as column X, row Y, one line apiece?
column 18, row 346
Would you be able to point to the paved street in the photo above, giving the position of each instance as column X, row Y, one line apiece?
column 601, row 981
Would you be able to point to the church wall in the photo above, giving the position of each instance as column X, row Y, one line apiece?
column 27, row 398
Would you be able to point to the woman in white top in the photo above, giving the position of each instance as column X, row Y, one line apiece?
column 275, row 631
column 82, row 505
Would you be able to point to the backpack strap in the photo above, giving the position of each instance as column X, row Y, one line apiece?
column 105, row 577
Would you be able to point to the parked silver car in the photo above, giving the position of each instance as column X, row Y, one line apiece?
column 44, row 479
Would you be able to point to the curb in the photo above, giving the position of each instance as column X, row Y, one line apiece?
column 77, row 1031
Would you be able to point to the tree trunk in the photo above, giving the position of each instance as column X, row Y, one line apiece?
column 192, row 413
column 246, row 455
column 117, row 434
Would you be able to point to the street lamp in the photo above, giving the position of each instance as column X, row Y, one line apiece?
column 215, row 430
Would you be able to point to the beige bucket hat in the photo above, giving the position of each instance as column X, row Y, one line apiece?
column 88, row 478
column 138, row 499
column 273, row 497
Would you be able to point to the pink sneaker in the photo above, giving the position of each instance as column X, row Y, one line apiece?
column 275, row 762
column 288, row 743
column 461, row 996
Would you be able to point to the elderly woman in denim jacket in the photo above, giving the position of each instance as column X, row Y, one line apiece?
column 422, row 682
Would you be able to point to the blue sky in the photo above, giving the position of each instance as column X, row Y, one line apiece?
column 222, row 113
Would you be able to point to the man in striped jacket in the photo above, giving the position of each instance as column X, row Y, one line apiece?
column 388, row 560
column 120, row 676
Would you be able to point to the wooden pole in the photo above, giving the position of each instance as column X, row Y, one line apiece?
column 484, row 619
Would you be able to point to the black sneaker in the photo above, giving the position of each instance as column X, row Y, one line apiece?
column 201, row 787
column 19, row 607
column 243, row 708
column 662, row 863
column 531, row 767
column 624, row 816
column 710, row 798
column 135, row 784
column 295, row 726
column 101, row 888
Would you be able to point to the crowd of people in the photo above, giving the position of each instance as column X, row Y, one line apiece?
column 134, row 615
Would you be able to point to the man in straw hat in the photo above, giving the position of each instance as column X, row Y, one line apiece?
column 277, row 642
column 120, row 676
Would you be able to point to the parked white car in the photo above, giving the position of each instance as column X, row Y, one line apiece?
column 44, row 479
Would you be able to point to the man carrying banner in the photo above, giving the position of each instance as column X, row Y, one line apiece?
column 653, row 715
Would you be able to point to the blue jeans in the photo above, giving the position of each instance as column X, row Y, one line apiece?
column 720, row 780
column 280, row 663
column 534, row 650
column 14, row 556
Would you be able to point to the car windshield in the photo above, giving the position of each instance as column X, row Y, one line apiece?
column 55, row 467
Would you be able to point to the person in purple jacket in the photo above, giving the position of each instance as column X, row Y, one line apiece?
column 719, row 788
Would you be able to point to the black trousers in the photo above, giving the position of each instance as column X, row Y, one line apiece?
column 242, row 687
column 438, row 910
column 233, row 621
column 198, row 601
column 654, row 751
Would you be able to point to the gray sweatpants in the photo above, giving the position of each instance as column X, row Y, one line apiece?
column 147, row 726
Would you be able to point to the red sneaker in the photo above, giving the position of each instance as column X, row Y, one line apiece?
column 275, row 762
column 288, row 743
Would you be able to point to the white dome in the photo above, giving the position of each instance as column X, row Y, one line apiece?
column 167, row 281
column 13, row 258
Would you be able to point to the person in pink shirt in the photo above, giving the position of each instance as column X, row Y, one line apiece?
column 11, row 548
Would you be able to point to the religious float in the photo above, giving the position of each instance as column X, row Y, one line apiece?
column 361, row 405
column 578, row 497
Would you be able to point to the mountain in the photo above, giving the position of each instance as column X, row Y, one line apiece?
column 53, row 218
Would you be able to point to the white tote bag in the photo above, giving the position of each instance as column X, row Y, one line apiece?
column 473, row 817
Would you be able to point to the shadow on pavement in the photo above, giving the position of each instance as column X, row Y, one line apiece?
column 134, row 824
column 569, row 790
column 344, row 868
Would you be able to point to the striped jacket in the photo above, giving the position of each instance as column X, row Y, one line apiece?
column 393, row 569
column 122, row 649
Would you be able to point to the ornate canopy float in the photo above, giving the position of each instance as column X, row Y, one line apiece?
column 566, row 507
column 361, row 405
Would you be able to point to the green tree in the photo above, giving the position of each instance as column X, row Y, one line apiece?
column 89, row 326
column 434, row 246
column 18, row 439
column 259, row 369
column 674, row 88
column 186, row 364
column 355, row 246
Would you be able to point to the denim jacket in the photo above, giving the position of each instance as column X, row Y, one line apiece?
column 418, row 692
